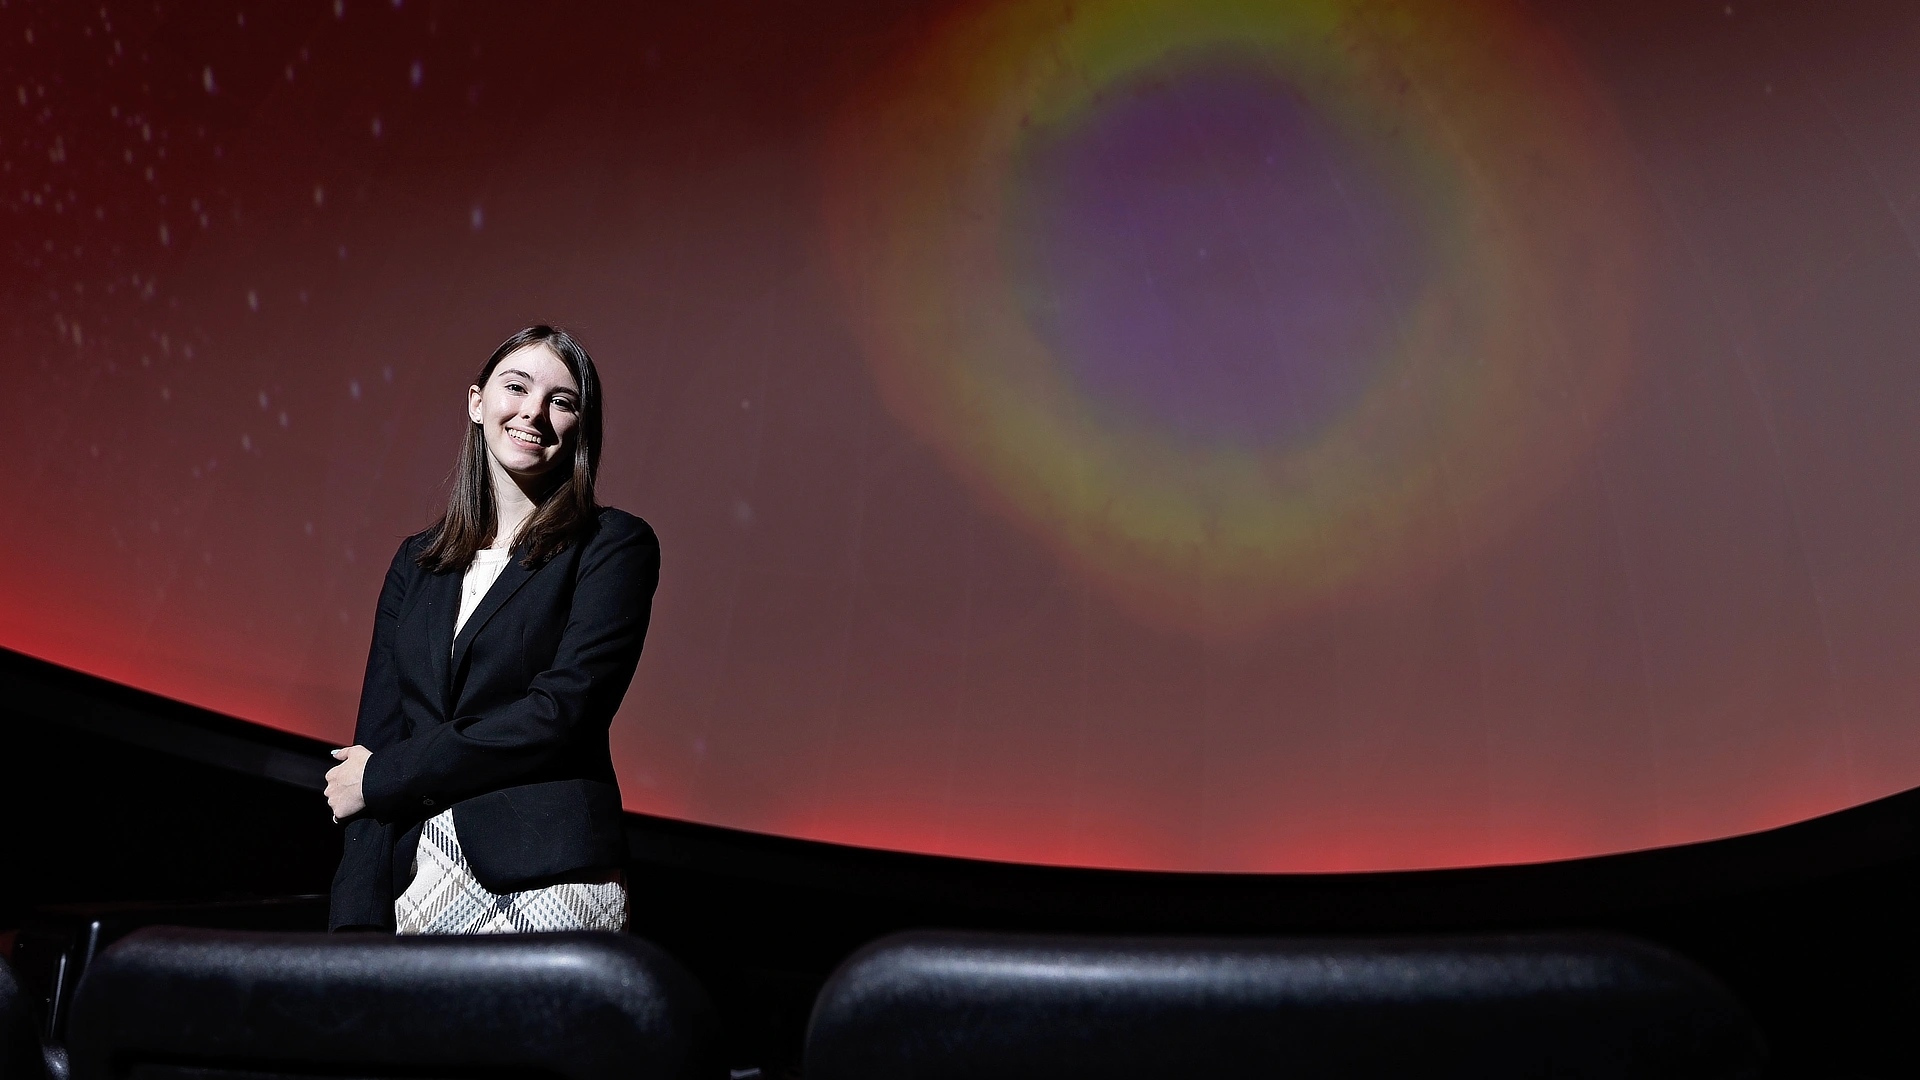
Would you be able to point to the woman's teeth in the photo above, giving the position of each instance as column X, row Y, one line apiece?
column 523, row 438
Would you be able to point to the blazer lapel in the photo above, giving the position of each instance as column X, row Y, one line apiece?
column 512, row 576
column 441, row 601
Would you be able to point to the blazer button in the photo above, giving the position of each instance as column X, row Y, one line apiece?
column 426, row 802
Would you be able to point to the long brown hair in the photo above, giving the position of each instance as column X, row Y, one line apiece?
column 563, row 511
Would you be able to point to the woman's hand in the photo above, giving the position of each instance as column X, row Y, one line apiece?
column 343, row 782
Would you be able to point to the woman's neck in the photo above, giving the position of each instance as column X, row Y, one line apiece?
column 512, row 504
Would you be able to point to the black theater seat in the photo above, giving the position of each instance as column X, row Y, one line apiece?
column 20, row 1057
column 953, row 1006
column 170, row 1002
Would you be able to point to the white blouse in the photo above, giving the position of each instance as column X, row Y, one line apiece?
column 486, row 567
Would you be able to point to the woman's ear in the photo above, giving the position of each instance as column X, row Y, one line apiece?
column 473, row 404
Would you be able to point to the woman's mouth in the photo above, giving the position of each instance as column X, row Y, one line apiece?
column 524, row 438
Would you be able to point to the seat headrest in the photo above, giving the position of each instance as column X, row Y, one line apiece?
column 20, row 1054
column 948, row 1006
column 584, row 1006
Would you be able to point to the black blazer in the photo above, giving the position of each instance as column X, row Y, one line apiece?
column 510, row 730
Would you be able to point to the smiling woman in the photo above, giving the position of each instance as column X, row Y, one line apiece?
column 479, row 794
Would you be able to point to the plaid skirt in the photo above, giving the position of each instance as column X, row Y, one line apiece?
column 444, row 898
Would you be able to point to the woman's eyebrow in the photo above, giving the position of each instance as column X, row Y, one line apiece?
column 529, row 378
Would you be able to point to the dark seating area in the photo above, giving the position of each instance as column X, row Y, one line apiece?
column 182, row 943
column 180, row 1003
column 956, row 1006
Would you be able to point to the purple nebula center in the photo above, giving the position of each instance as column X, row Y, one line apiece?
column 1205, row 252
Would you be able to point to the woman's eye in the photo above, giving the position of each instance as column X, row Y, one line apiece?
column 563, row 403
column 516, row 388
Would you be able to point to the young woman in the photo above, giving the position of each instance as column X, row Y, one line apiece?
column 479, row 794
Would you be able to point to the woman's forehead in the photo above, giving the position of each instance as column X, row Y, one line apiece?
column 537, row 362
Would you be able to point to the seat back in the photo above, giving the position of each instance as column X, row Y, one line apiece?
column 170, row 1002
column 962, row 1006
column 20, row 1054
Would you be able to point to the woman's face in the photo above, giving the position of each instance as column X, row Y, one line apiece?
column 527, row 411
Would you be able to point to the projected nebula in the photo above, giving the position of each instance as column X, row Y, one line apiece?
column 1239, row 299
column 1203, row 255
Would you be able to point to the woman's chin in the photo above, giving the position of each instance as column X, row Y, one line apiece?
column 531, row 471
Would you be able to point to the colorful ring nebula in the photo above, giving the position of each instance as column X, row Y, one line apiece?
column 1242, row 307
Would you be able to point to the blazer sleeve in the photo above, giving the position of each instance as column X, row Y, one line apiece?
column 362, row 894
column 598, row 651
column 379, row 724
